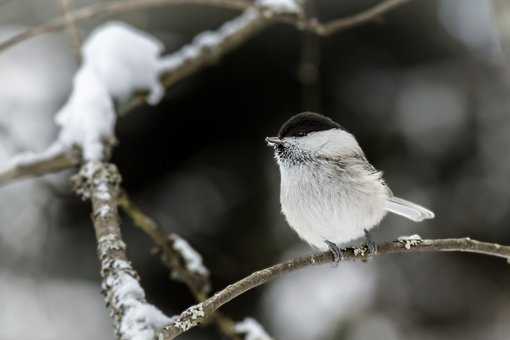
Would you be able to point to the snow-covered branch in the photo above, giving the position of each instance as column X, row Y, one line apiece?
column 133, row 317
column 112, row 45
column 119, row 60
column 196, row 314
column 185, row 264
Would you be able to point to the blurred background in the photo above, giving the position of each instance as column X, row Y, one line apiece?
column 426, row 91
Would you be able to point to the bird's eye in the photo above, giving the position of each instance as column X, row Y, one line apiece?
column 301, row 134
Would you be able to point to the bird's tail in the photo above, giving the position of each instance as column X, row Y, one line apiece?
column 408, row 209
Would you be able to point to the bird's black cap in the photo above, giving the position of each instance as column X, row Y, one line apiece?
column 306, row 122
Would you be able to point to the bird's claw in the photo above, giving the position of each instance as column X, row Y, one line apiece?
column 371, row 245
column 335, row 251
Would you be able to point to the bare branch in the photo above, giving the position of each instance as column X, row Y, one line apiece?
column 197, row 313
column 105, row 9
column 355, row 20
column 133, row 317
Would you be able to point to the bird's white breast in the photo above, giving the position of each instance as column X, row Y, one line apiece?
column 322, row 203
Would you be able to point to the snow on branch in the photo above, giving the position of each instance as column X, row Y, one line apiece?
column 196, row 314
column 134, row 318
column 184, row 262
column 111, row 61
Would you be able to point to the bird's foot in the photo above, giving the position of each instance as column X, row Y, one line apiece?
column 371, row 245
column 335, row 251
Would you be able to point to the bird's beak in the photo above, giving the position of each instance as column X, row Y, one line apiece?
column 272, row 141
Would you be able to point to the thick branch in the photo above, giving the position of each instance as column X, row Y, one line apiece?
column 133, row 317
column 197, row 313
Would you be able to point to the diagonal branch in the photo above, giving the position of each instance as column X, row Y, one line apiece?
column 181, row 266
column 191, row 58
column 194, row 315
column 203, row 50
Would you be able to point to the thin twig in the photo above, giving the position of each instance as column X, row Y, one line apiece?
column 194, row 315
column 74, row 32
column 198, row 282
column 105, row 9
column 358, row 19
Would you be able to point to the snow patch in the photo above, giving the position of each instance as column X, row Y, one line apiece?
column 252, row 330
column 88, row 117
column 410, row 241
column 192, row 258
column 280, row 6
column 125, row 59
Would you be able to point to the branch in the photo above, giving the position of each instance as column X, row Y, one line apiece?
column 133, row 317
column 202, row 51
column 194, row 315
column 110, row 8
column 198, row 281
column 335, row 26
column 25, row 165
column 191, row 58
column 205, row 49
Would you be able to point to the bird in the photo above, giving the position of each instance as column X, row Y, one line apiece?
column 330, row 194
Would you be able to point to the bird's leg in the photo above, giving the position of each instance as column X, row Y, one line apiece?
column 335, row 251
column 371, row 246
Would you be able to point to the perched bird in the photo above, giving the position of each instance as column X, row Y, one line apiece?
column 330, row 193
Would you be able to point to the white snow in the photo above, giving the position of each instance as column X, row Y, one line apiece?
column 207, row 41
column 117, row 60
column 193, row 260
column 410, row 241
column 125, row 60
column 280, row 6
column 88, row 117
column 140, row 320
column 252, row 330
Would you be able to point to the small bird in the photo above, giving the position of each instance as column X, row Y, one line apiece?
column 330, row 193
